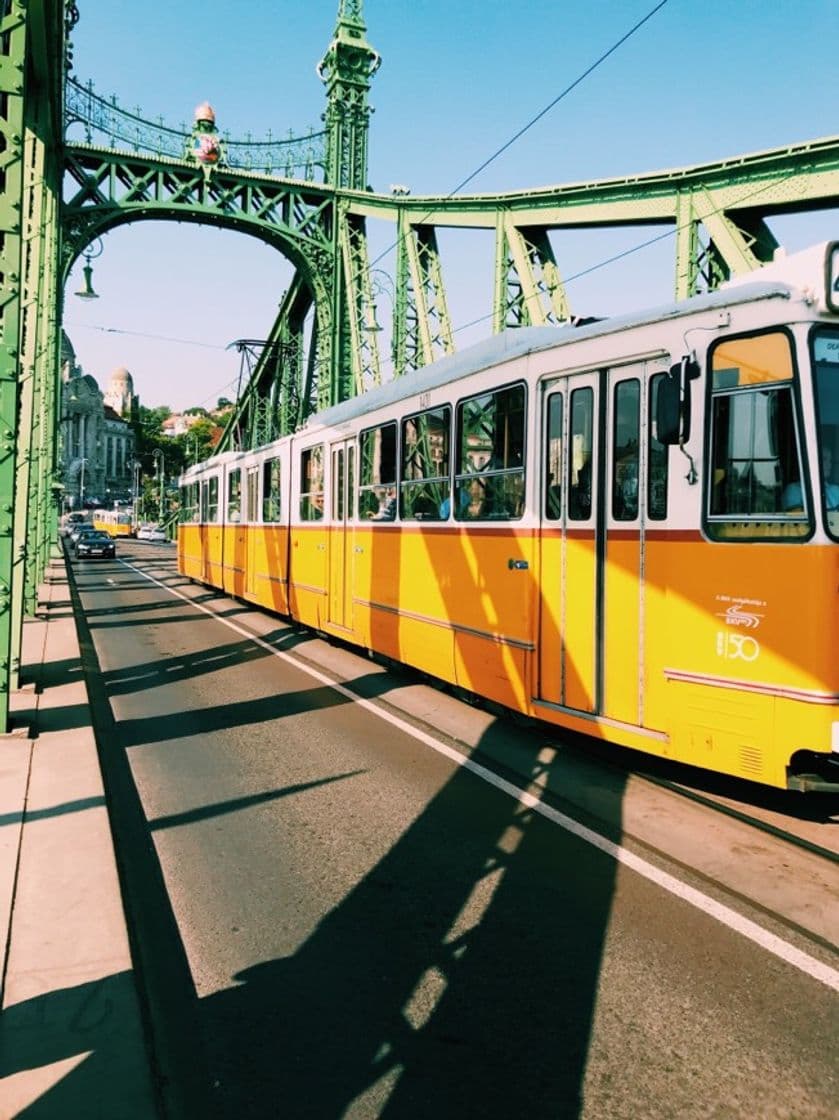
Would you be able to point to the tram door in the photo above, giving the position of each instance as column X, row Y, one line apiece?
column 571, row 544
column 341, row 532
column 250, row 515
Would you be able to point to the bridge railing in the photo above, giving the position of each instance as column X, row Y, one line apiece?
column 298, row 157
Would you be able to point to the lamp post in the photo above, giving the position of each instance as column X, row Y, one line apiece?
column 159, row 458
column 82, row 462
column 135, row 492
column 382, row 283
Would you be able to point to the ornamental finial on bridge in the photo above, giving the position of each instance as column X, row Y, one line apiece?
column 204, row 144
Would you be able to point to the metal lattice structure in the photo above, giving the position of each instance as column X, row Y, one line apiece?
column 104, row 120
column 57, row 196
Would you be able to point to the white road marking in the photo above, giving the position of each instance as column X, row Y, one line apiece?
column 804, row 962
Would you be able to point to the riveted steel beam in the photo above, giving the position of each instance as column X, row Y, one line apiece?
column 13, row 43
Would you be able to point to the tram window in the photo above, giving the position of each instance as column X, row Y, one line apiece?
column 553, row 460
column 826, row 380
column 209, row 497
column 377, row 484
column 425, row 491
column 657, row 460
column 489, row 482
column 579, row 452
column 234, row 495
column 756, row 465
column 188, row 511
column 311, row 483
column 251, row 494
column 350, row 479
column 271, row 493
column 626, row 450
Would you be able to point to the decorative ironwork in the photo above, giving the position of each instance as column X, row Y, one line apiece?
column 298, row 157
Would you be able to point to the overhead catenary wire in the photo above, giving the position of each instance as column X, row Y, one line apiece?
column 469, row 178
column 542, row 113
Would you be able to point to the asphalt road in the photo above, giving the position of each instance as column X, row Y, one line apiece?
column 335, row 919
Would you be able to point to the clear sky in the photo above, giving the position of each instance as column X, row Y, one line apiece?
column 699, row 82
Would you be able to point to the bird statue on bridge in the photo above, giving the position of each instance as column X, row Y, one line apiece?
column 204, row 145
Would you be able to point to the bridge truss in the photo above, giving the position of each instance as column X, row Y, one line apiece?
column 56, row 197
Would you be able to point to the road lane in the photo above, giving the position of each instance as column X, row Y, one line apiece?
column 371, row 931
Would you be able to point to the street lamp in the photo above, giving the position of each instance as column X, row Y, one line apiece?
column 87, row 291
column 135, row 491
column 82, row 463
column 381, row 283
column 159, row 458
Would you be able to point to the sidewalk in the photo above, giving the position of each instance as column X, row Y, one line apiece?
column 72, row 1042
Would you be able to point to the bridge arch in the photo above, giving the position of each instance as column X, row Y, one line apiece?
column 298, row 219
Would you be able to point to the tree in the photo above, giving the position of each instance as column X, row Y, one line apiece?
column 197, row 444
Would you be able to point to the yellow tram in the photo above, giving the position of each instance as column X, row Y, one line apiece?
column 628, row 528
column 114, row 522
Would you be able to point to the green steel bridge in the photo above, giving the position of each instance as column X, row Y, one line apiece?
column 306, row 196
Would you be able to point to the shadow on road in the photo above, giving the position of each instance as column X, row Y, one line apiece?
column 457, row 977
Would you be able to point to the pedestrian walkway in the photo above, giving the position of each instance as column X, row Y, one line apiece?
column 72, row 1039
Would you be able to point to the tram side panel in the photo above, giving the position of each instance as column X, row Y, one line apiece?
column 491, row 572
column 376, row 579
column 269, row 503
column 308, row 533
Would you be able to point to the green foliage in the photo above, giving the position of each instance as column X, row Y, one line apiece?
column 197, row 444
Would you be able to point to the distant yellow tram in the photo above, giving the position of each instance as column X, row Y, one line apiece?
column 114, row 522
column 628, row 528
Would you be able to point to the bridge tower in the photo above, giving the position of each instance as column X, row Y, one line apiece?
column 346, row 69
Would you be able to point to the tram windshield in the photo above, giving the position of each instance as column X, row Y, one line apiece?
column 826, row 381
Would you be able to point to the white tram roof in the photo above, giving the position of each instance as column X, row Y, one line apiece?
column 516, row 342
column 198, row 469
column 812, row 274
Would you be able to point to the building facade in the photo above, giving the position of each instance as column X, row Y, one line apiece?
column 96, row 440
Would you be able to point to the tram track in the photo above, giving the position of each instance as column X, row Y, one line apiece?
column 744, row 900
column 744, row 817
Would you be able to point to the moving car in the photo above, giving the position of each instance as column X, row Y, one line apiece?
column 95, row 543
column 79, row 530
column 150, row 533
column 69, row 522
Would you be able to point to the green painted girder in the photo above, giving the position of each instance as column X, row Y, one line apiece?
column 362, row 320
column 32, row 37
column 528, row 286
column 114, row 188
column 428, row 328
column 718, row 212
column 299, row 219
column 279, row 394
column 13, row 45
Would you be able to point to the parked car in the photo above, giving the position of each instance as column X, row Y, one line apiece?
column 150, row 533
column 93, row 544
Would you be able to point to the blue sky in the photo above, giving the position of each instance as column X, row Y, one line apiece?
column 697, row 83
